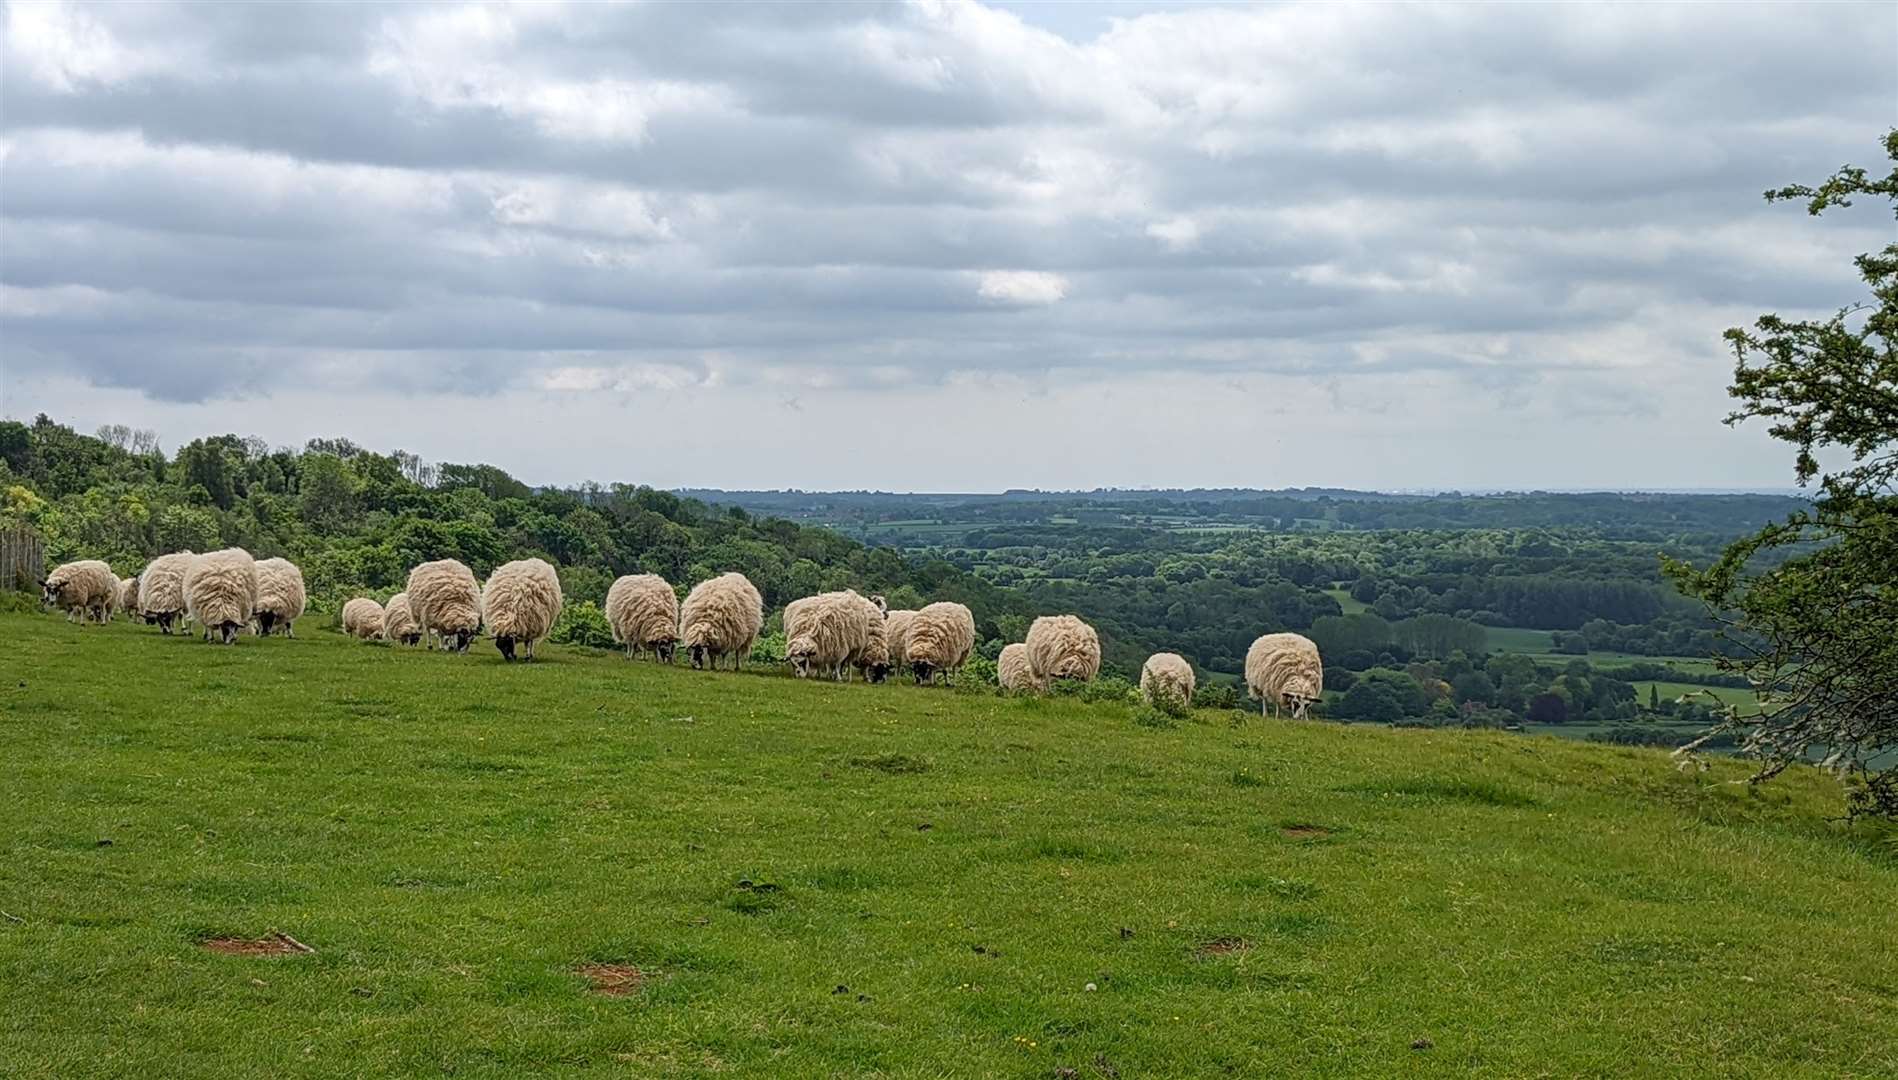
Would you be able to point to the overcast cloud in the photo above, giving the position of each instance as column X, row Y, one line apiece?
column 933, row 246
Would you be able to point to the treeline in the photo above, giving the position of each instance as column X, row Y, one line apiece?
column 357, row 521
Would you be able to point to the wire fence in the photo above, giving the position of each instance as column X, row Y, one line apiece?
column 22, row 559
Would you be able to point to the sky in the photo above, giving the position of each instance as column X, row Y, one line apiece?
column 934, row 246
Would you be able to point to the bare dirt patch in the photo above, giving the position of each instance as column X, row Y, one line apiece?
column 613, row 980
column 1223, row 946
column 275, row 943
column 1304, row 832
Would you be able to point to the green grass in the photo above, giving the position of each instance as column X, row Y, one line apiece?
column 823, row 880
column 1518, row 639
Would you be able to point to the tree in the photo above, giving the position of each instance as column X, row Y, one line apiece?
column 1373, row 701
column 1809, row 606
column 1548, row 708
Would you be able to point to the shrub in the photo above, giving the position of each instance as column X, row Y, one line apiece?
column 768, row 649
column 582, row 624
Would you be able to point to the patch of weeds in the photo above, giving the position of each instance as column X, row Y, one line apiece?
column 1450, row 789
column 893, row 764
column 1147, row 716
column 748, row 897
column 1247, row 778
column 1283, row 888
column 1070, row 849
column 842, row 878
column 1643, row 952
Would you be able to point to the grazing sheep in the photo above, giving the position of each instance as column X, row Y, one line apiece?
column 896, row 637
column 362, row 618
column 1063, row 647
column 643, row 611
column 128, row 596
column 941, row 637
column 1167, row 677
column 280, row 596
column 827, row 632
column 446, row 602
column 221, row 592
column 398, row 622
column 161, row 589
column 520, row 603
column 874, row 658
column 721, row 617
column 80, row 589
column 1285, row 670
column 1012, row 669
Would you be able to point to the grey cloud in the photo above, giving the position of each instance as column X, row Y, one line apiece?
column 258, row 202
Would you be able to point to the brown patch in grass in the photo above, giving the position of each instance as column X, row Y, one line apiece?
column 1223, row 946
column 1304, row 832
column 275, row 943
column 613, row 980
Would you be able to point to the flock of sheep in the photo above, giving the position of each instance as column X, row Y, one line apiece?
column 833, row 634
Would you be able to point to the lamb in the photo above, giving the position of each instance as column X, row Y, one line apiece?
column 520, row 602
column 280, row 596
column 221, row 592
column 1012, row 670
column 643, row 611
column 1285, row 670
column 446, row 602
column 941, row 637
column 80, row 589
column 362, row 618
column 896, row 637
column 721, row 617
column 1166, row 678
column 1063, row 647
column 827, row 632
column 161, row 589
column 398, row 623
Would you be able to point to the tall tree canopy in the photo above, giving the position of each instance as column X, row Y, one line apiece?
column 1818, row 593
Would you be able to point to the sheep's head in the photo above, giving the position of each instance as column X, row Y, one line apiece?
column 412, row 639
column 700, row 654
column 458, row 641
column 923, row 670
column 799, row 652
column 882, row 604
column 506, row 645
column 49, row 593
column 663, row 650
column 1298, row 703
column 876, row 672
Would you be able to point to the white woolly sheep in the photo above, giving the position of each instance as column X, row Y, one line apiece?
column 221, row 592
column 161, row 589
column 896, row 637
column 825, row 633
column 721, row 617
column 1284, row 670
column 128, row 596
column 941, row 637
column 362, row 618
column 874, row 658
column 520, row 603
column 1063, row 647
column 643, row 611
column 446, row 603
column 1167, row 678
column 80, row 589
column 280, row 596
column 398, row 623
column 1012, row 670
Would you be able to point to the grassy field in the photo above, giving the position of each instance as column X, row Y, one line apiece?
column 804, row 879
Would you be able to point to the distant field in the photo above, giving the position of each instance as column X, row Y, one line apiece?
column 1518, row 639
column 590, row 867
column 1347, row 603
column 1746, row 701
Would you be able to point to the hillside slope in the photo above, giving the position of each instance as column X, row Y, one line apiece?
column 815, row 879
